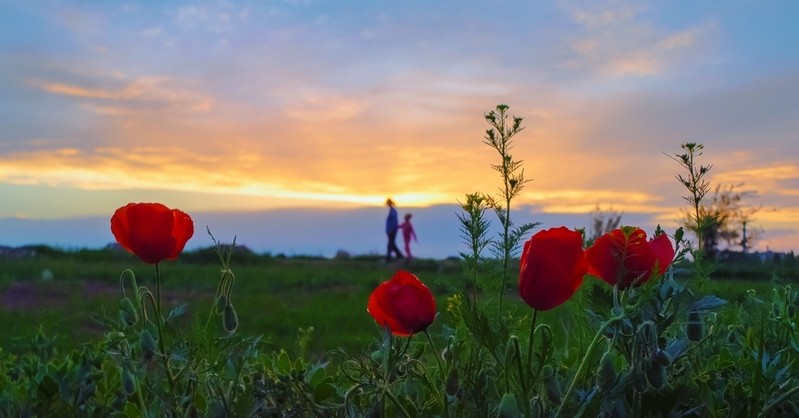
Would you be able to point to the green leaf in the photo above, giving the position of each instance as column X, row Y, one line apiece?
column 324, row 391
column 177, row 311
column 315, row 376
column 283, row 363
column 708, row 302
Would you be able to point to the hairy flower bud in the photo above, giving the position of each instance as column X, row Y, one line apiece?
column 220, row 304
column 606, row 374
column 655, row 374
column 147, row 343
column 230, row 320
column 128, row 381
column 510, row 349
column 128, row 313
column 662, row 357
column 694, row 327
column 552, row 385
column 508, row 407
column 451, row 386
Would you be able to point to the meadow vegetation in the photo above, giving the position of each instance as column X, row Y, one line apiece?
column 225, row 332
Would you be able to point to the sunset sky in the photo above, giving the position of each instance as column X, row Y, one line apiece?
column 230, row 106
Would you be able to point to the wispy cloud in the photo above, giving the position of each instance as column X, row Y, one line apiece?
column 617, row 40
column 154, row 94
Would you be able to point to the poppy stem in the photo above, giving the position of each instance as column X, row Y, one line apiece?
column 440, row 369
column 584, row 362
column 159, row 327
column 531, row 341
column 435, row 353
column 396, row 402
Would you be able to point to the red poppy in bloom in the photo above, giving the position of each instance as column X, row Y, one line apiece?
column 624, row 256
column 403, row 304
column 552, row 267
column 152, row 231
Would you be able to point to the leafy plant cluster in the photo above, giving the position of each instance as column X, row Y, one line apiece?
column 663, row 348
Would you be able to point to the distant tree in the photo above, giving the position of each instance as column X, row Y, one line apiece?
column 602, row 222
column 722, row 221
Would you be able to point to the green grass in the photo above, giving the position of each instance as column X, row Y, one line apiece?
column 274, row 297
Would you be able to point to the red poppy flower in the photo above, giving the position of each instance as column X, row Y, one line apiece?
column 552, row 267
column 624, row 256
column 403, row 304
column 152, row 231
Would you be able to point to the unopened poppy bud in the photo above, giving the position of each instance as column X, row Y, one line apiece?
column 694, row 327
column 655, row 374
column 732, row 338
column 147, row 343
column 230, row 320
column 128, row 314
column 662, row 357
column 606, row 374
column 451, row 387
column 128, row 381
column 638, row 380
column 510, row 348
column 508, row 407
column 552, row 385
column 220, row 304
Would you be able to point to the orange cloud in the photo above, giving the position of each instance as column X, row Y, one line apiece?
column 182, row 170
column 160, row 93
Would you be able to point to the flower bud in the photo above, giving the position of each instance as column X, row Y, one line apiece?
column 732, row 338
column 694, row 327
column 128, row 314
column 655, row 374
column 662, row 357
column 128, row 381
column 510, row 349
column 606, row 374
column 147, row 343
column 220, row 303
column 451, row 387
column 638, row 380
column 230, row 320
column 508, row 407
column 552, row 385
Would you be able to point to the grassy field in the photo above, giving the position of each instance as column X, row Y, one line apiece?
column 66, row 294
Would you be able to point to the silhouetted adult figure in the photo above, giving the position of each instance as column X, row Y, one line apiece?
column 392, row 225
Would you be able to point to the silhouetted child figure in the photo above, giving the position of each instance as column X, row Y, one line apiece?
column 407, row 234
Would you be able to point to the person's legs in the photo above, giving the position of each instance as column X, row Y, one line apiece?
column 408, row 248
column 392, row 246
column 392, row 242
